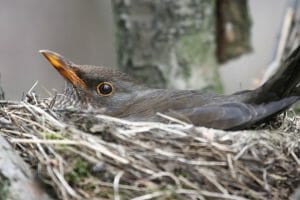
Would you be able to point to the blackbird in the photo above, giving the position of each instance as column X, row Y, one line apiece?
column 123, row 97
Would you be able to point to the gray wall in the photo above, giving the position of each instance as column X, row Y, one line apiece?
column 81, row 30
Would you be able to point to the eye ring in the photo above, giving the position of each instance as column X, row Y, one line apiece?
column 104, row 89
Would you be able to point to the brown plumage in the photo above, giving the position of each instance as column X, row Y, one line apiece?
column 121, row 96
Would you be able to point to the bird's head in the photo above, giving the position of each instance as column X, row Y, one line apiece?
column 99, row 86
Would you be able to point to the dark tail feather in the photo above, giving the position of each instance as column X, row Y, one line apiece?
column 285, row 82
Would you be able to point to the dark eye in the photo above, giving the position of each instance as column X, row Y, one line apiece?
column 104, row 88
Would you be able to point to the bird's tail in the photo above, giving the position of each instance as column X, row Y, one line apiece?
column 284, row 83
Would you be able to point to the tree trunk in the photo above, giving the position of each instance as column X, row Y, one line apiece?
column 168, row 43
column 16, row 179
column 233, row 29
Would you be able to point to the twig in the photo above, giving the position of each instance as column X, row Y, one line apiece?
column 116, row 185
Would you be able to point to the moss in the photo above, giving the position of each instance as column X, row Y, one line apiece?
column 296, row 108
column 196, row 49
column 190, row 47
column 4, row 185
column 52, row 135
column 79, row 170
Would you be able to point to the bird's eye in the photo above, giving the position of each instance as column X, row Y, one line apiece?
column 105, row 88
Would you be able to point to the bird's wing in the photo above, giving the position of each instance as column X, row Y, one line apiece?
column 233, row 115
column 219, row 115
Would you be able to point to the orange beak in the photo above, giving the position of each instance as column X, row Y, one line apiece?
column 63, row 67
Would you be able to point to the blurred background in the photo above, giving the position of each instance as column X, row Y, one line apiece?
column 140, row 38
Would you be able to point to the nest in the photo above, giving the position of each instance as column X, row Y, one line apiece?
column 87, row 155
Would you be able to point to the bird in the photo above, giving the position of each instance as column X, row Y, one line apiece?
column 123, row 97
